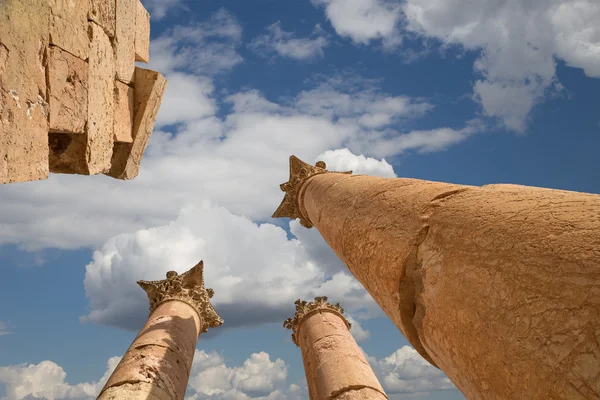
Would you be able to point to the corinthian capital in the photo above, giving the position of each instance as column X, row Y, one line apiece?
column 300, row 172
column 187, row 287
column 305, row 308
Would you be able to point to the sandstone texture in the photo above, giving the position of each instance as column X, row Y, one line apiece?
column 124, row 112
column 161, row 355
column 100, row 101
column 335, row 366
column 142, row 34
column 103, row 13
column 158, row 362
column 23, row 107
column 125, row 32
column 499, row 286
column 69, row 25
column 64, row 101
column 149, row 87
column 67, row 91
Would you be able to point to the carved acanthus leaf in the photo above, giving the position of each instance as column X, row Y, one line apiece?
column 299, row 173
column 187, row 287
column 304, row 308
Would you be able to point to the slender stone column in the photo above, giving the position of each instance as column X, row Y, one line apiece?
column 157, row 364
column 334, row 364
column 497, row 285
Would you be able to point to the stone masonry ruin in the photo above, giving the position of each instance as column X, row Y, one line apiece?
column 71, row 98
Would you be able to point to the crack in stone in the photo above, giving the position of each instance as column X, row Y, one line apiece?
column 350, row 388
column 412, row 283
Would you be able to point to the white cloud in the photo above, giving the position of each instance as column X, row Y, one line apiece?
column 46, row 380
column 357, row 102
column 4, row 328
column 364, row 20
column 287, row 45
column 344, row 160
column 256, row 272
column 205, row 48
column 237, row 161
column 405, row 371
column 159, row 8
column 187, row 99
column 210, row 378
column 258, row 377
column 519, row 42
column 358, row 332
column 382, row 144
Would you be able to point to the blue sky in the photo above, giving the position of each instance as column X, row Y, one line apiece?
column 482, row 92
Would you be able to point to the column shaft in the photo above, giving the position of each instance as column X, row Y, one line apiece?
column 158, row 362
column 499, row 286
column 334, row 365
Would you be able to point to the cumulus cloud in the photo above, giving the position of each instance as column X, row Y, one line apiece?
column 236, row 160
column 256, row 271
column 46, row 380
column 405, row 371
column 519, row 42
column 344, row 160
column 286, row 44
column 364, row 20
column 258, row 377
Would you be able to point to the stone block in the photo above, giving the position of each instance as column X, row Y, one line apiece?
column 100, row 125
column 23, row 107
column 125, row 39
column 142, row 34
column 124, row 111
column 67, row 91
column 69, row 26
column 103, row 12
column 149, row 88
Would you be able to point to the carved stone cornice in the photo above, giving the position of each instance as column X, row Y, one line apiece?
column 305, row 308
column 187, row 287
column 299, row 173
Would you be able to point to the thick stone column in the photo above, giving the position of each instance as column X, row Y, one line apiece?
column 497, row 285
column 157, row 364
column 334, row 365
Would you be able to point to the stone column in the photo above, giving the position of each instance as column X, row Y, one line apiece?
column 499, row 286
column 157, row 364
column 334, row 365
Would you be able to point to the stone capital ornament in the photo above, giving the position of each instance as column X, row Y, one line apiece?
column 188, row 288
column 300, row 172
column 305, row 309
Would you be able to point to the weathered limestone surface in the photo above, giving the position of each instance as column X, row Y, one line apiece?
column 61, row 109
column 100, row 102
column 23, row 107
column 149, row 88
column 69, row 25
column 124, row 112
column 158, row 362
column 334, row 364
column 67, row 91
column 103, row 13
column 125, row 32
column 499, row 286
column 142, row 34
